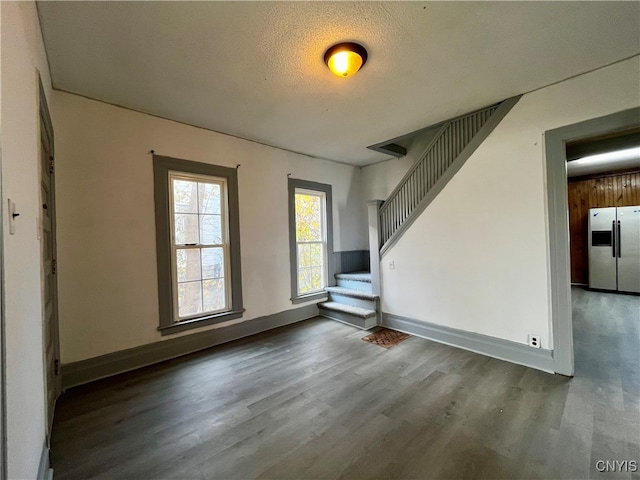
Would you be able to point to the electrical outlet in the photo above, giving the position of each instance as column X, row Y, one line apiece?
column 534, row 340
column 392, row 264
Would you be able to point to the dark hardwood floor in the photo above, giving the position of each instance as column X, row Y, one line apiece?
column 314, row 401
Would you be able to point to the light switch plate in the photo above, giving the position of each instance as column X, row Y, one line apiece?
column 12, row 219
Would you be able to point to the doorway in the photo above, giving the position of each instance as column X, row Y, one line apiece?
column 3, row 409
column 49, row 267
column 559, row 242
column 604, row 174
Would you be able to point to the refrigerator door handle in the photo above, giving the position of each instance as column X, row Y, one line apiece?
column 619, row 235
column 613, row 238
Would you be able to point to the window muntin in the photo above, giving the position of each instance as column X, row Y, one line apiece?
column 311, row 241
column 200, row 245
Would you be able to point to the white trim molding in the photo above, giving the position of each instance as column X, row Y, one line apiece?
column 45, row 472
column 499, row 348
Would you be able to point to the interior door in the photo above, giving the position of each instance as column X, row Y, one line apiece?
column 3, row 415
column 602, row 255
column 629, row 249
column 48, row 251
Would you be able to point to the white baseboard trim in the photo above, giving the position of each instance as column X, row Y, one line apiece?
column 507, row 350
column 84, row 371
column 45, row 472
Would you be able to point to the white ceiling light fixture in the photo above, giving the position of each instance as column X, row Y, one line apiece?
column 618, row 160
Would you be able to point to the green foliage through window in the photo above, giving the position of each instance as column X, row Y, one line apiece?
column 310, row 238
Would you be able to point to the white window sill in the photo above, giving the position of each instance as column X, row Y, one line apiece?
column 309, row 297
column 200, row 322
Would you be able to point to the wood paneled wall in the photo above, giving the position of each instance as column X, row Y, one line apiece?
column 615, row 190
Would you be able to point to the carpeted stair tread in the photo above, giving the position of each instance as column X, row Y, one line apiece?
column 350, row 309
column 355, row 276
column 347, row 292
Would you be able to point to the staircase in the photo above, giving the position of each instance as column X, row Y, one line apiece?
column 454, row 143
column 352, row 302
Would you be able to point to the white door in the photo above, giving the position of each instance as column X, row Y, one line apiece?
column 3, row 416
column 48, row 252
column 602, row 254
column 629, row 249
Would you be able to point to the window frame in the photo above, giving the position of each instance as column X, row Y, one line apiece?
column 163, row 168
column 224, row 214
column 323, row 241
column 298, row 184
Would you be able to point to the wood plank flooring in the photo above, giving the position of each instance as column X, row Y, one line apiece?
column 313, row 400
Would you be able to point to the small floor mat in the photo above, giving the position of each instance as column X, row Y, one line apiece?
column 386, row 338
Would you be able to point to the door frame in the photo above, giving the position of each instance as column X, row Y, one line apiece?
column 558, row 224
column 45, row 122
column 3, row 404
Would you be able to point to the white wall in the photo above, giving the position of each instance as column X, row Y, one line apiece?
column 477, row 258
column 106, row 225
column 22, row 54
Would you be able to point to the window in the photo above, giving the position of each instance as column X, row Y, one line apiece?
column 198, row 244
column 310, row 240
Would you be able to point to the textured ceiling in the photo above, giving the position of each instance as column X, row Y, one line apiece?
column 255, row 69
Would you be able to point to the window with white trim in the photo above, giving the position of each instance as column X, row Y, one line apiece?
column 310, row 239
column 197, row 226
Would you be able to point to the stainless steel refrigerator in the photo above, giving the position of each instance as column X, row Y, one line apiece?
column 614, row 248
